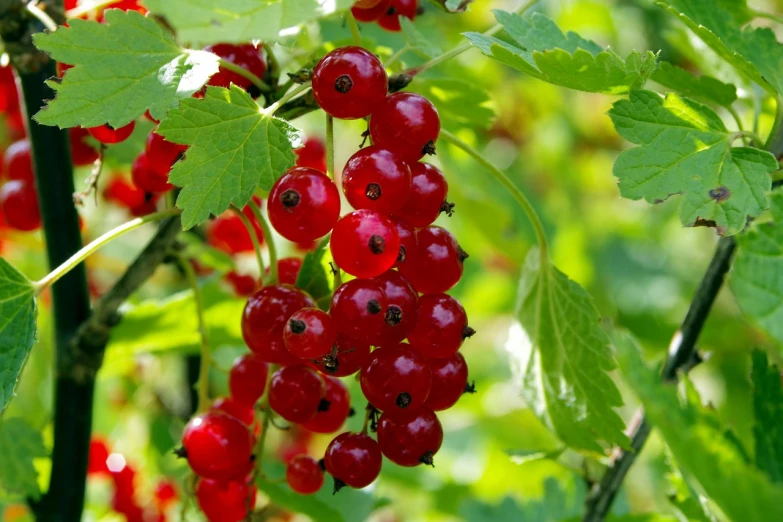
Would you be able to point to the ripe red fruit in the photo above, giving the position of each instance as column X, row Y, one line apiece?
column 247, row 378
column 349, row 83
column 18, row 161
column 225, row 501
column 347, row 357
column 370, row 13
column 402, row 307
column 427, row 198
column 358, row 308
column 227, row 233
column 408, row 241
column 410, row 438
column 19, row 205
column 295, row 393
column 449, row 379
column 376, row 179
column 150, row 205
column 391, row 19
column 353, row 459
column 99, row 452
column 122, row 193
column 82, row 153
column 162, row 154
column 441, row 327
column 243, row 412
column 303, row 205
column 396, row 378
column 273, row 351
column 147, row 178
column 365, row 243
column 437, row 262
column 267, row 312
column 304, row 475
column 244, row 285
column 165, row 493
column 243, row 55
column 332, row 416
column 312, row 154
column 288, row 270
column 218, row 446
column 309, row 333
column 406, row 123
column 109, row 135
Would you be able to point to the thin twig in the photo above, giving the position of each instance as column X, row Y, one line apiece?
column 206, row 352
column 91, row 182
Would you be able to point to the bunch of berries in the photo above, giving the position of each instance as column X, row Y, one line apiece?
column 386, row 13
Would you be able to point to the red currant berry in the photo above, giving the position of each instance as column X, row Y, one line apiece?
column 165, row 493
column 304, row 475
column 218, row 446
column 109, row 135
column 396, row 379
column 334, row 412
column 312, row 154
column 303, row 205
column 122, row 193
column 162, row 154
column 353, row 459
column 347, row 357
column 274, row 351
column 247, row 378
column 449, row 381
column 295, row 393
column 82, row 153
column 149, row 205
column 376, row 179
column 402, row 307
column 406, row 123
column 309, row 333
column 370, row 13
column 441, row 327
column 267, row 312
column 294, row 444
column 243, row 55
column 99, row 453
column 408, row 241
column 288, row 270
column 19, row 162
column 243, row 412
column 358, row 308
column 410, row 438
column 9, row 98
column 349, row 83
column 146, row 178
column 244, row 285
column 228, row 233
column 427, row 198
column 366, row 4
column 225, row 501
column 436, row 264
column 365, row 243
column 391, row 19
column 19, row 205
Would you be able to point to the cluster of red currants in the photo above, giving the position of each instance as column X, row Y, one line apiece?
column 386, row 13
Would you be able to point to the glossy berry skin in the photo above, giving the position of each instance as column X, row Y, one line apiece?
column 304, row 475
column 391, row 19
column 407, row 124
column 312, row 154
column 228, row 233
column 247, row 378
column 18, row 161
column 402, row 307
column 331, row 418
column 82, row 154
column 349, row 83
column 303, row 205
column 243, row 55
column 437, row 263
column 244, row 412
column 267, row 311
column 441, row 327
column 427, row 198
column 353, row 459
column 410, row 438
column 408, row 241
column 288, row 270
column 449, row 379
column 349, row 357
column 218, row 446
column 364, row 243
column 370, row 13
column 309, row 333
column 376, row 179
column 109, row 135
column 146, row 178
column 358, row 309
column 225, row 501
column 396, row 378
column 162, row 154
column 295, row 393
column 19, row 205
column 274, row 351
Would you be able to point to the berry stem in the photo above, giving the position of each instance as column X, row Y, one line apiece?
column 523, row 201
column 206, row 352
column 270, row 241
column 258, row 451
column 287, row 96
column 330, row 146
column 253, row 237
column 273, row 65
column 255, row 80
column 396, row 56
column 34, row 9
column 53, row 276
column 354, row 27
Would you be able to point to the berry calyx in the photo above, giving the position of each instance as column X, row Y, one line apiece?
column 407, row 124
column 365, row 243
column 358, row 309
column 402, row 307
column 441, row 326
column 334, row 408
column 109, row 135
column 437, row 262
column 390, row 20
column 427, row 198
column 217, row 445
column 295, row 393
column 247, row 378
column 304, row 475
column 303, row 205
column 309, row 333
column 147, row 178
column 449, row 381
column 267, row 311
column 346, row 358
column 349, row 83
column 396, row 378
column 353, row 459
column 19, row 205
column 410, row 438
column 246, row 56
column 376, row 179
column 225, row 501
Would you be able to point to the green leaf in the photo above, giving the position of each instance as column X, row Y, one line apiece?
column 568, row 60
column 418, row 43
column 121, row 69
column 753, row 51
column 768, row 411
column 524, row 456
column 17, row 328
column 556, row 504
column 698, row 443
column 19, row 445
column 204, row 22
column 757, row 272
column 235, row 148
column 565, row 380
column 701, row 88
column 315, row 276
column 459, row 103
column 683, row 498
column 684, row 148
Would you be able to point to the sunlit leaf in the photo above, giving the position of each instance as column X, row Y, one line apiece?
column 17, row 328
